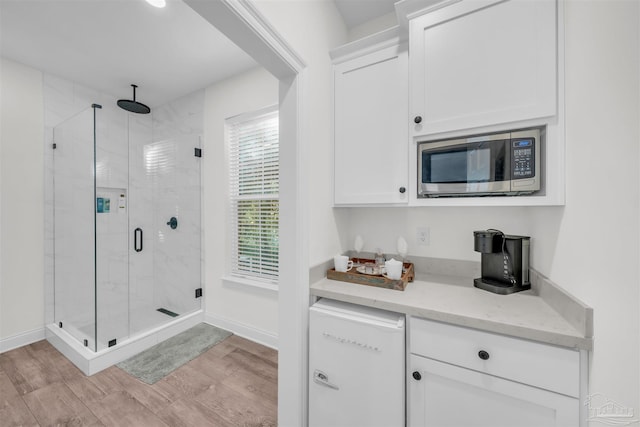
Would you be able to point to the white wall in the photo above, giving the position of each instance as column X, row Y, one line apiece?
column 591, row 245
column 313, row 28
column 21, row 200
column 242, row 308
column 603, row 110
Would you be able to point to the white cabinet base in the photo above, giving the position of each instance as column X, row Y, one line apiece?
column 465, row 377
column 448, row 395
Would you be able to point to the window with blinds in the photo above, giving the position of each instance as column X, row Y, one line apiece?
column 254, row 186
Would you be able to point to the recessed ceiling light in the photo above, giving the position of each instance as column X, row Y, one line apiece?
column 157, row 3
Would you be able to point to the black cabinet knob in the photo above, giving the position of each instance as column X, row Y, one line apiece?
column 402, row 190
column 483, row 355
column 417, row 119
column 416, row 375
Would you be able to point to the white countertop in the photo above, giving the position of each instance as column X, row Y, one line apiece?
column 456, row 301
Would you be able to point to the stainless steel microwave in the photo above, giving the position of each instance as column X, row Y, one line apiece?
column 506, row 163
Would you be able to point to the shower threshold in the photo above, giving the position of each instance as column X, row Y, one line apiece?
column 91, row 362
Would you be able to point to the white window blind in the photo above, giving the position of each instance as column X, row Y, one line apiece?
column 254, row 186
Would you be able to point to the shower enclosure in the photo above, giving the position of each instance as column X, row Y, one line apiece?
column 127, row 228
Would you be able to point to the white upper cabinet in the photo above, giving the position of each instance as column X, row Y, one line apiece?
column 370, row 127
column 482, row 63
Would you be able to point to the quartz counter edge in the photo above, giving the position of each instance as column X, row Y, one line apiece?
column 452, row 300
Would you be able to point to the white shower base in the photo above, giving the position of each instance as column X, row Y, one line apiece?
column 91, row 362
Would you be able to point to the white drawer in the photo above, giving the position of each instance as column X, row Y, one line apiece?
column 541, row 365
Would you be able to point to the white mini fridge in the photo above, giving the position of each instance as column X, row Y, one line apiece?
column 356, row 366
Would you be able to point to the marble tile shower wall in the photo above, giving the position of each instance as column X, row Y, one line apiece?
column 148, row 167
column 164, row 183
column 177, row 130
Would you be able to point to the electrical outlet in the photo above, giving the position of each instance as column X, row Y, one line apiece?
column 423, row 236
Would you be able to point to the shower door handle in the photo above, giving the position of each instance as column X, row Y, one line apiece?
column 137, row 239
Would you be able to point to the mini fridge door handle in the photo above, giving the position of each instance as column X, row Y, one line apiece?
column 321, row 378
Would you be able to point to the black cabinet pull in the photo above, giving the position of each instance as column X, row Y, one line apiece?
column 137, row 239
column 483, row 355
column 402, row 190
column 416, row 375
column 417, row 119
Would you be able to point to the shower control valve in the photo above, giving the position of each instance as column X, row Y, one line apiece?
column 173, row 223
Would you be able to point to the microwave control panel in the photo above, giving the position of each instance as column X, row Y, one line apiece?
column 523, row 158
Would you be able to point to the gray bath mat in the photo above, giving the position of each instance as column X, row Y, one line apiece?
column 160, row 360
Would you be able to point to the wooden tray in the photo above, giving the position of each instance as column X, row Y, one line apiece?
column 379, row 281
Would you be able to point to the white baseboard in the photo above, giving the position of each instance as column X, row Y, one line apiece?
column 22, row 339
column 245, row 331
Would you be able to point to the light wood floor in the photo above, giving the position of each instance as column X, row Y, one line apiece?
column 233, row 384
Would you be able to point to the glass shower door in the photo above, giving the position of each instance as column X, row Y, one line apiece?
column 127, row 226
column 74, row 246
column 164, row 225
column 177, row 229
column 112, row 228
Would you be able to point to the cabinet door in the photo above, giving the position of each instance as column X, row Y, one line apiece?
column 448, row 395
column 483, row 63
column 371, row 131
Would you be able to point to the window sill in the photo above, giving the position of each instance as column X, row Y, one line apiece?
column 243, row 281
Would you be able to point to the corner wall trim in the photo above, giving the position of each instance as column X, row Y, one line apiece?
column 21, row 339
column 245, row 331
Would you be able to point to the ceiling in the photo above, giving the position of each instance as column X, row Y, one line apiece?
column 356, row 12
column 110, row 44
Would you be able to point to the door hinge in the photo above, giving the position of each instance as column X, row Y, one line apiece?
column 198, row 152
column 54, row 145
column 198, row 292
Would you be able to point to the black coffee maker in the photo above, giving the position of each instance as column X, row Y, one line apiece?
column 504, row 263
